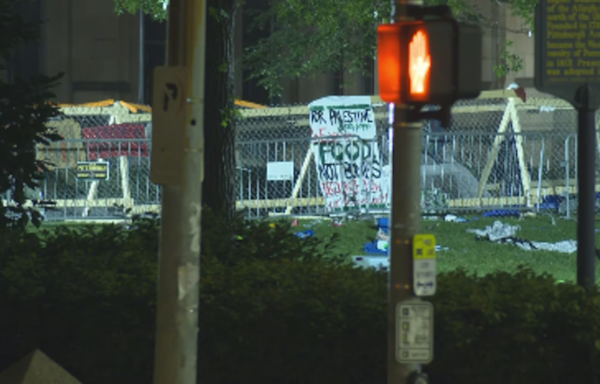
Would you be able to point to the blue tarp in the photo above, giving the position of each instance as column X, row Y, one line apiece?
column 502, row 213
column 305, row 234
column 371, row 247
column 384, row 224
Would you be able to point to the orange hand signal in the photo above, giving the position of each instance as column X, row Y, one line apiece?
column 419, row 63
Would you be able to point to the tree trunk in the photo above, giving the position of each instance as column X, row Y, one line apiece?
column 219, row 187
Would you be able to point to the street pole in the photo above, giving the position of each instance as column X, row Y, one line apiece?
column 586, row 211
column 179, row 266
column 405, row 224
column 405, row 217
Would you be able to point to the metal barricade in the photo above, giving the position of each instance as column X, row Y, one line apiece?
column 497, row 153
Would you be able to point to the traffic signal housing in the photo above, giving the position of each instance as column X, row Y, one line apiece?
column 429, row 62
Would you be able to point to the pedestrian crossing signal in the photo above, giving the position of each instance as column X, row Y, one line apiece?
column 419, row 65
column 429, row 61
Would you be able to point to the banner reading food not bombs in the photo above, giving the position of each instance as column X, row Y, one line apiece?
column 346, row 153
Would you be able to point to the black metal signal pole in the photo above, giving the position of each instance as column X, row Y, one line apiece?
column 586, row 208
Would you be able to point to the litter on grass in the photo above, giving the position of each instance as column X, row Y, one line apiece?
column 381, row 244
column 380, row 261
column 377, row 262
column 506, row 233
column 313, row 223
column 305, row 234
column 455, row 219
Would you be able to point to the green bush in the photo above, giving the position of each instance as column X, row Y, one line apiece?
column 292, row 322
column 518, row 328
column 84, row 296
column 242, row 240
column 275, row 309
column 80, row 263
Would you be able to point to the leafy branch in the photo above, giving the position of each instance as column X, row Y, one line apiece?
column 156, row 8
column 510, row 61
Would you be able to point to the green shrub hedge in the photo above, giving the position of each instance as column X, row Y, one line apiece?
column 275, row 309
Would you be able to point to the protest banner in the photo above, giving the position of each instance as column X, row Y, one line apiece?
column 346, row 153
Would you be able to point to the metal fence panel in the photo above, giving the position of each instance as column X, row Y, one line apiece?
column 496, row 153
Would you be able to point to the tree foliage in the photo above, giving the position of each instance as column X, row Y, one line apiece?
column 316, row 36
column 524, row 9
column 24, row 111
column 311, row 37
column 155, row 8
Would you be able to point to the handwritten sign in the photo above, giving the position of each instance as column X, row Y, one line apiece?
column 346, row 153
column 567, row 46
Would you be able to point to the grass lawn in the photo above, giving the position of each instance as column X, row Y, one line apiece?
column 481, row 257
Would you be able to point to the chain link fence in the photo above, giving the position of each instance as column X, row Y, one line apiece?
column 497, row 153
column 115, row 133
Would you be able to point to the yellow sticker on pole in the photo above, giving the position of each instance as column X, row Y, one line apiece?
column 423, row 247
column 424, row 265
